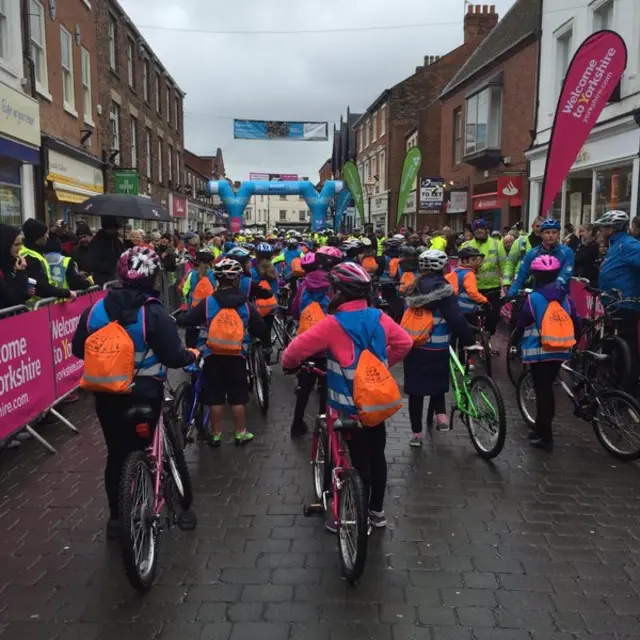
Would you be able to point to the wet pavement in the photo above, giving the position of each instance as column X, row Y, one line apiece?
column 533, row 546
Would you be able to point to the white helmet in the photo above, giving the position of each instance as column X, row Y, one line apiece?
column 619, row 220
column 365, row 241
column 398, row 236
column 433, row 260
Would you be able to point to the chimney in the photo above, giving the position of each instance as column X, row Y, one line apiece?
column 479, row 21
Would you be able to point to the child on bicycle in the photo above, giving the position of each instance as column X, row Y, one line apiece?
column 265, row 276
column 315, row 288
column 136, row 308
column 550, row 327
column 199, row 283
column 426, row 368
column 342, row 335
column 231, row 322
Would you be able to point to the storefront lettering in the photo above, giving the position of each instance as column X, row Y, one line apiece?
column 18, row 115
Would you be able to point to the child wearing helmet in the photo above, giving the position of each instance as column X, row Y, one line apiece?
column 351, row 329
column 136, row 308
column 426, row 368
column 225, row 369
column 198, row 284
column 549, row 326
column 264, row 276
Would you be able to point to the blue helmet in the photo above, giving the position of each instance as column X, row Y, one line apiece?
column 239, row 254
column 264, row 247
column 228, row 246
column 550, row 223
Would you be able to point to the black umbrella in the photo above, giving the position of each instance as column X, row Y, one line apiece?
column 120, row 205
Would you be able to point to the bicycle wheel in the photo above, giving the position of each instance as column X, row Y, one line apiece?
column 177, row 467
column 616, row 372
column 320, row 460
column 261, row 379
column 139, row 537
column 514, row 358
column 278, row 329
column 182, row 402
column 617, row 424
column 526, row 396
column 353, row 530
column 485, row 358
column 488, row 429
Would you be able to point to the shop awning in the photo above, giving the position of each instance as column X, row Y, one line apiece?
column 71, row 193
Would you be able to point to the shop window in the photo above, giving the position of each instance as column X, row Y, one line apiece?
column 38, row 45
column 113, row 42
column 484, row 120
column 579, row 186
column 613, row 189
column 10, row 195
column 145, row 80
column 85, row 59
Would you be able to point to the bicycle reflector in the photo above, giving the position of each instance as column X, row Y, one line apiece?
column 143, row 430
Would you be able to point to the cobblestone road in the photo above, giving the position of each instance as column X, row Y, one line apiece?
column 531, row 547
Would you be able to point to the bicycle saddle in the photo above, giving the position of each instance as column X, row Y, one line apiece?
column 598, row 357
column 139, row 414
column 344, row 426
column 474, row 347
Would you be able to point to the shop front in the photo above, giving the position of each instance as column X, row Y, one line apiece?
column 489, row 207
column 196, row 217
column 603, row 177
column 72, row 177
column 19, row 155
column 179, row 206
column 456, row 208
column 379, row 212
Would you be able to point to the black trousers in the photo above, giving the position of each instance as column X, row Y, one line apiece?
column 366, row 448
column 544, row 375
column 266, row 338
column 191, row 337
column 306, row 383
column 437, row 404
column 493, row 316
column 120, row 437
column 628, row 331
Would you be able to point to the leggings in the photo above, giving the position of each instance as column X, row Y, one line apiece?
column 306, row 382
column 366, row 448
column 437, row 404
column 120, row 437
column 266, row 339
column 544, row 375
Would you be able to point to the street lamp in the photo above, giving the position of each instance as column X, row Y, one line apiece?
column 369, row 188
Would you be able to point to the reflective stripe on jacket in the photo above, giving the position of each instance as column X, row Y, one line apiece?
column 488, row 274
column 213, row 308
column 532, row 350
column 58, row 265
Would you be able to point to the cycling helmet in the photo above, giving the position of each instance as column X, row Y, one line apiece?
column 366, row 243
column 227, row 269
column 399, row 237
column 249, row 246
column 292, row 242
column 465, row 253
column 264, row 248
column 328, row 257
column 204, row 255
column 481, row 223
column 350, row 278
column 545, row 262
column 138, row 265
column 239, row 254
column 433, row 260
column 408, row 251
column 618, row 220
column 228, row 246
column 308, row 262
column 550, row 223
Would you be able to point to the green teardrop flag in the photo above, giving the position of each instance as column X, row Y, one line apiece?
column 410, row 169
column 352, row 178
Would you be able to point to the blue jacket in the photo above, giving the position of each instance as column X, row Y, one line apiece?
column 620, row 268
column 561, row 251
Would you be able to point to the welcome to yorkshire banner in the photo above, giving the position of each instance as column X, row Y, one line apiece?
column 595, row 69
column 280, row 130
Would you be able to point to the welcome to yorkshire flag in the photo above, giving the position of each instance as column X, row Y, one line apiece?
column 594, row 72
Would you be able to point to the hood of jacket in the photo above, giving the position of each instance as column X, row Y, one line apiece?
column 8, row 234
column 317, row 281
column 123, row 304
column 266, row 270
column 551, row 292
column 230, row 298
column 429, row 291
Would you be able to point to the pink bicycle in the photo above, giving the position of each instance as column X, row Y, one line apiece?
column 338, row 488
column 151, row 481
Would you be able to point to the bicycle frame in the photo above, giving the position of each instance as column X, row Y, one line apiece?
column 340, row 457
column 196, row 396
column 464, row 402
column 155, row 454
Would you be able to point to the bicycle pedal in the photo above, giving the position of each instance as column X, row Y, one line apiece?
column 312, row 510
column 187, row 520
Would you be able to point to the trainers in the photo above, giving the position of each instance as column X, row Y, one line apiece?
column 442, row 422
column 541, row 443
column 215, row 440
column 415, row 440
column 377, row 519
column 114, row 529
column 299, row 429
column 243, row 437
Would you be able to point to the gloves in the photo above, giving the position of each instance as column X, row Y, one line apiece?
column 195, row 353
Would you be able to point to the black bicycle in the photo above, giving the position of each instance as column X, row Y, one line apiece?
column 259, row 376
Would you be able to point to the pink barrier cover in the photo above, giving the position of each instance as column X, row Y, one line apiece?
column 64, row 320
column 27, row 385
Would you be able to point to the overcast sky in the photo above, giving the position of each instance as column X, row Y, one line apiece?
column 288, row 77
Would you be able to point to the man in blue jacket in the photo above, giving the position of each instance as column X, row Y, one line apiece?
column 620, row 270
column 551, row 245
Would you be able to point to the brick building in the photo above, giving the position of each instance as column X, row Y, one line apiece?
column 326, row 171
column 141, row 119
column 202, row 211
column 383, row 129
column 488, row 112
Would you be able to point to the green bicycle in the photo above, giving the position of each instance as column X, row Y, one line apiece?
column 480, row 404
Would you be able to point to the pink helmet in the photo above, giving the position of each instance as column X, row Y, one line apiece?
column 545, row 263
column 350, row 278
column 328, row 257
column 138, row 265
column 308, row 262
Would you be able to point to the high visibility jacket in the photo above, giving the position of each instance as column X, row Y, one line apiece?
column 30, row 253
column 213, row 308
column 58, row 265
column 146, row 361
column 439, row 243
column 518, row 251
column 380, row 251
column 468, row 295
column 495, row 258
column 531, row 344
column 364, row 328
column 406, row 278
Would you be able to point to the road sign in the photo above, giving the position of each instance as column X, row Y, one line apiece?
column 127, row 182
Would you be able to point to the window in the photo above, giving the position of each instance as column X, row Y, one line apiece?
column 160, row 178
column 170, row 162
column 145, row 80
column 4, row 42
column 283, row 197
column 383, row 119
column 367, row 172
column 374, row 167
column 38, row 44
column 247, row 215
column 483, row 120
column 176, row 111
column 115, row 128
column 177, row 167
column 87, row 107
column 66, row 61
column 603, row 16
column 134, row 143
column 158, row 103
column 130, row 62
column 113, row 36
column 283, row 214
column 168, row 104
column 359, row 136
column 564, row 44
column 381, row 171
column 367, row 133
column 302, row 215
column 148, row 151
column 457, row 136
column 374, row 127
